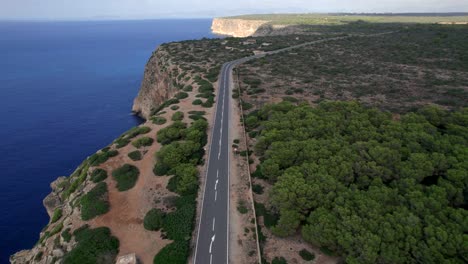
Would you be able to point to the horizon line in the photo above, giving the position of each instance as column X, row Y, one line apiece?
column 212, row 17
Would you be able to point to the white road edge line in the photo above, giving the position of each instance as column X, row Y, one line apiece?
column 216, row 195
column 216, row 184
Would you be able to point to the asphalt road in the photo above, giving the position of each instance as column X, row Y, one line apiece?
column 212, row 240
column 212, row 246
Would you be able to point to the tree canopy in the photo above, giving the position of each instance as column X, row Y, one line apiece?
column 369, row 186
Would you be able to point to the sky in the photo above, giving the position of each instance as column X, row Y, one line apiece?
column 147, row 9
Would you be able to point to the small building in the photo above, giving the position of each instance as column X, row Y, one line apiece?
column 250, row 42
column 127, row 259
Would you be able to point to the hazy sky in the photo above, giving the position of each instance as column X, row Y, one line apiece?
column 101, row 9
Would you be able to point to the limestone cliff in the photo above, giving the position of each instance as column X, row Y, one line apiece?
column 157, row 85
column 240, row 28
column 236, row 27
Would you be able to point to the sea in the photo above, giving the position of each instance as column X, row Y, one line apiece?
column 66, row 90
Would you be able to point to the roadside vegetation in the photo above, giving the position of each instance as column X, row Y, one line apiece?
column 179, row 157
column 343, row 173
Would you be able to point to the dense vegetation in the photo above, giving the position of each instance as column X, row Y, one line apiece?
column 366, row 186
column 94, row 202
column 98, row 175
column 178, row 157
column 154, row 219
column 126, row 177
column 94, row 246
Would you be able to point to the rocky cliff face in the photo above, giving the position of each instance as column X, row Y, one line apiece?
column 157, row 85
column 236, row 27
column 241, row 28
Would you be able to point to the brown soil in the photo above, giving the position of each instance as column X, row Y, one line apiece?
column 128, row 209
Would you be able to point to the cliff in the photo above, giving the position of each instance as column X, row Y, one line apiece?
column 241, row 28
column 236, row 27
column 157, row 85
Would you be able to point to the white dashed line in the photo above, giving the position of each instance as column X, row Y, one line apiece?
column 214, row 221
column 216, row 195
column 216, row 184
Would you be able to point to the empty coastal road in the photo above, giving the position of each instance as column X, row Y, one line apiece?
column 212, row 240
column 212, row 245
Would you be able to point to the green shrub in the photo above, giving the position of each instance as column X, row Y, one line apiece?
column 171, row 133
column 80, row 174
column 154, row 219
column 95, row 202
column 178, row 225
column 121, row 142
column 237, row 141
column 188, row 88
column 56, row 229
column 57, row 215
column 170, row 156
column 246, row 106
column 197, row 117
column 66, row 235
column 135, row 155
column 98, row 175
column 143, row 142
column 93, row 246
column 185, row 180
column 181, row 95
column 175, row 107
column 242, row 208
column 306, row 255
column 197, row 102
column 209, row 102
column 126, row 177
column 174, row 253
column 178, row 116
column 101, row 157
column 257, row 188
column 158, row 120
column 279, row 260
column 136, row 131
column 160, row 169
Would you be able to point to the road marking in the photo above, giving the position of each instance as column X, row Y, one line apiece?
column 217, row 174
column 211, row 259
column 216, row 184
column 216, row 195
column 212, row 240
column 214, row 221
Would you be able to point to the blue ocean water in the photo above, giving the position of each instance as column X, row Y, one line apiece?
column 66, row 90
